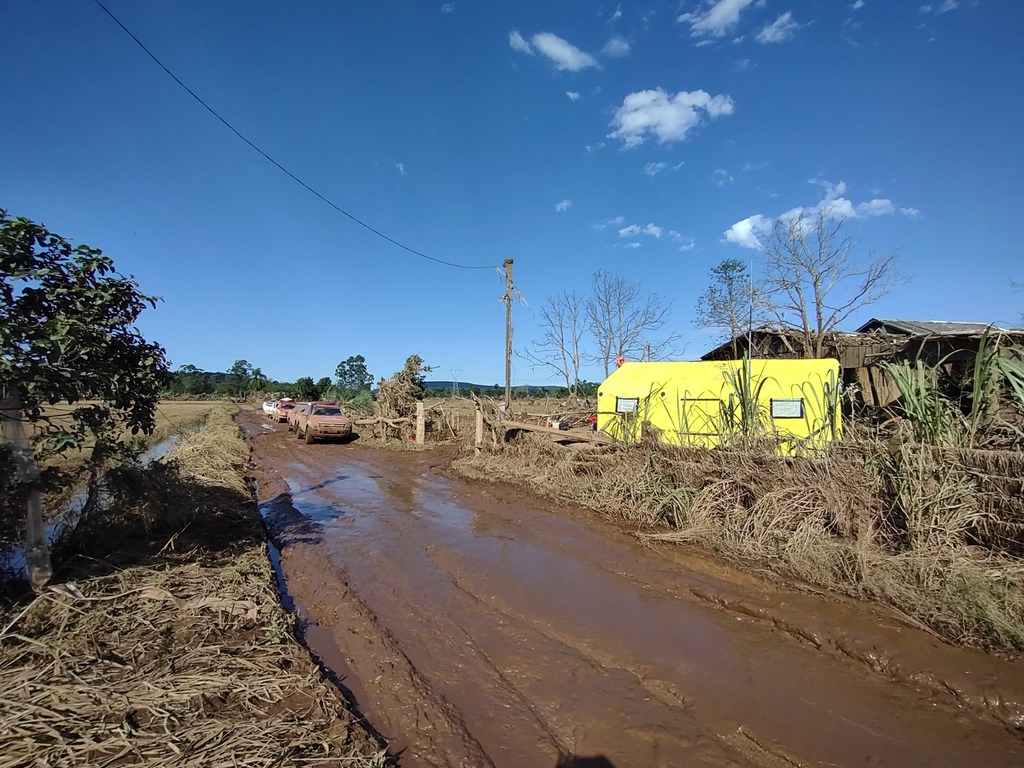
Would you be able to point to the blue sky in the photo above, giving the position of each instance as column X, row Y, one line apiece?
column 639, row 138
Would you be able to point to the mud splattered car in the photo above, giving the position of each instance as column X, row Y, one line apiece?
column 282, row 410
column 321, row 421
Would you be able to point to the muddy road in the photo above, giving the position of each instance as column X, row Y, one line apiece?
column 478, row 625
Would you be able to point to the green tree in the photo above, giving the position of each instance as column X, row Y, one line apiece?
column 732, row 303
column 323, row 386
column 238, row 379
column 258, row 381
column 352, row 376
column 305, row 389
column 68, row 335
column 189, row 380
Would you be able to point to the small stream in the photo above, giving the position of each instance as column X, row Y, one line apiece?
column 12, row 561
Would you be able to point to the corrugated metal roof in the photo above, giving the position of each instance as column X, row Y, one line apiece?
column 928, row 327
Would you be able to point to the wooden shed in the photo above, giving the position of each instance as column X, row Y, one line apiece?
column 953, row 344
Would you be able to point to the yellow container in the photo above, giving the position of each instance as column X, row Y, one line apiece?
column 707, row 403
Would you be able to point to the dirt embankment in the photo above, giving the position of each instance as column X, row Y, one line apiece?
column 163, row 642
column 476, row 624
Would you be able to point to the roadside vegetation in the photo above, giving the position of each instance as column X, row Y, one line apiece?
column 152, row 632
column 165, row 642
column 916, row 514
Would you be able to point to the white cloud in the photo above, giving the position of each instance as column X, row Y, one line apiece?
column 745, row 233
column 716, row 20
column 723, row 177
column 685, row 243
column 616, row 48
column 857, row 5
column 778, row 31
column 756, row 166
column 668, row 118
column 743, row 65
column 631, row 245
column 401, row 168
column 653, row 169
column 876, row 207
column 617, row 15
column 517, row 43
column 944, row 7
column 573, row 96
column 448, row 8
column 562, row 206
column 651, row 230
column 617, row 221
column 564, row 54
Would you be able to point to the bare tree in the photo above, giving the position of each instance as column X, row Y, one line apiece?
column 624, row 322
column 732, row 302
column 813, row 279
column 561, row 320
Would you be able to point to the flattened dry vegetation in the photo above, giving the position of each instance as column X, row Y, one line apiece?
column 935, row 533
column 165, row 642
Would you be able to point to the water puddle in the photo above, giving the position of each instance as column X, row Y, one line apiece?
column 547, row 634
column 12, row 562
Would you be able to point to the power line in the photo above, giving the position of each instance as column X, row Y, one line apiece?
column 274, row 162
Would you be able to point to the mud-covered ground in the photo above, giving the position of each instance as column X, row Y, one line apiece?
column 479, row 625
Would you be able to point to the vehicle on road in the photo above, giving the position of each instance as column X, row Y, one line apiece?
column 269, row 408
column 293, row 414
column 322, row 421
column 282, row 410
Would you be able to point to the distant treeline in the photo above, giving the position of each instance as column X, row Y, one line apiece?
column 189, row 381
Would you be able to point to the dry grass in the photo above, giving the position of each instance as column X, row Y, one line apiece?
column 173, row 417
column 168, row 666
column 931, row 534
column 182, row 655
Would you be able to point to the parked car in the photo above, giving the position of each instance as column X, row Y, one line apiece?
column 322, row 421
column 293, row 414
column 282, row 411
column 269, row 408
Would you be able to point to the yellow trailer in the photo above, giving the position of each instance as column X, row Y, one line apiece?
column 708, row 402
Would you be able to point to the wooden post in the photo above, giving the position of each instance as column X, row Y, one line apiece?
column 479, row 429
column 12, row 430
column 508, row 335
column 421, row 425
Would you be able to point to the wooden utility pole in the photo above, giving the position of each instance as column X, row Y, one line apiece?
column 13, row 432
column 508, row 334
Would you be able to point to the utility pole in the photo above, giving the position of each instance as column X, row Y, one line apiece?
column 508, row 334
column 455, row 381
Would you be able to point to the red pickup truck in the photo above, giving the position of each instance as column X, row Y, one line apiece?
column 320, row 421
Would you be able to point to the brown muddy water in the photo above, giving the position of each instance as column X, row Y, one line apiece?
column 477, row 625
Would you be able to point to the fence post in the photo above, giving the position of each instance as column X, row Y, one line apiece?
column 12, row 431
column 479, row 440
column 421, row 425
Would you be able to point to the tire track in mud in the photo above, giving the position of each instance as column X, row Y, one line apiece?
column 452, row 664
column 419, row 719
